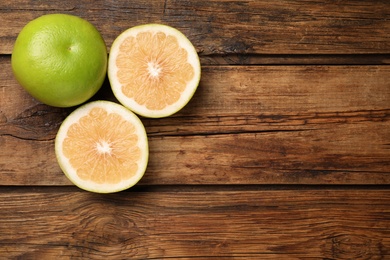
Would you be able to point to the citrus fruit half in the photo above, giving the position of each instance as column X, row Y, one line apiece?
column 102, row 147
column 153, row 70
column 60, row 59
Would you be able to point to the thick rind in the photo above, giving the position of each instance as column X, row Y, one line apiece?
column 68, row 169
column 193, row 59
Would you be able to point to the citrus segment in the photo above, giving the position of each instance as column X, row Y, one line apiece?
column 102, row 147
column 153, row 69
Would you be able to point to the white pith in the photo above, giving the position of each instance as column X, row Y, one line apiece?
column 154, row 69
column 103, row 147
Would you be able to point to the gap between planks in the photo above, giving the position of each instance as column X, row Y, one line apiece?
column 205, row 188
column 295, row 59
column 287, row 59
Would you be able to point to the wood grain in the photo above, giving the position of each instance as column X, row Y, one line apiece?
column 226, row 27
column 313, row 224
column 245, row 125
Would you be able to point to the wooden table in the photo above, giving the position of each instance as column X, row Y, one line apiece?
column 283, row 152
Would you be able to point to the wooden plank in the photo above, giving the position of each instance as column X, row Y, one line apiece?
column 347, row 154
column 286, row 224
column 226, row 27
column 252, row 96
column 245, row 125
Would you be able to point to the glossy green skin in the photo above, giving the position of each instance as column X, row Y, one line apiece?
column 61, row 60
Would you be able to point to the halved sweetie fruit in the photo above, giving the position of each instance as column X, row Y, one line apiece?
column 102, row 147
column 153, row 69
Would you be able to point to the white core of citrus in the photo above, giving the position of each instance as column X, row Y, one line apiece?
column 103, row 147
column 154, row 69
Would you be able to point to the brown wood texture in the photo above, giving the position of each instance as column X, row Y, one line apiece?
column 221, row 27
column 245, row 125
column 307, row 224
column 283, row 152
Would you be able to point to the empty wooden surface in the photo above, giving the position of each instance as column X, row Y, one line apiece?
column 250, row 224
column 283, row 152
